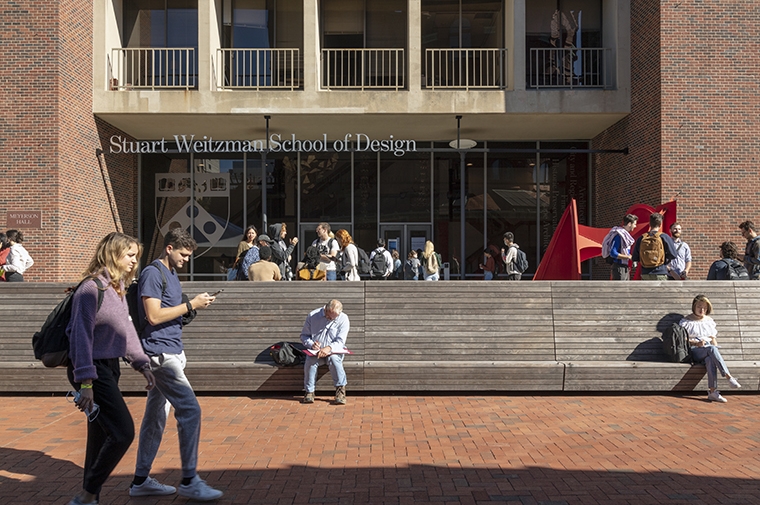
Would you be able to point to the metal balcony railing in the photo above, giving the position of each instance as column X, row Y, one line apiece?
column 465, row 68
column 363, row 68
column 258, row 68
column 567, row 68
column 154, row 68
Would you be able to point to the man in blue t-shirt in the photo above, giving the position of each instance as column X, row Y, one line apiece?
column 162, row 306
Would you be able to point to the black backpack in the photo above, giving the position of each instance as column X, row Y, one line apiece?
column 311, row 257
column 675, row 344
column 364, row 266
column 736, row 271
column 51, row 344
column 287, row 353
column 133, row 299
column 379, row 264
column 521, row 261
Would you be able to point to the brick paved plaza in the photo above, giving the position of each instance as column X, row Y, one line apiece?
column 417, row 449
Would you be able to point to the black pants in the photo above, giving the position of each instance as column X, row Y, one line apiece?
column 14, row 277
column 620, row 272
column 111, row 433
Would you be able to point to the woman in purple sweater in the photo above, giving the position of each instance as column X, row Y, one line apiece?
column 97, row 339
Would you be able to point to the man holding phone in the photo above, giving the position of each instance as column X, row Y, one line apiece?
column 160, row 291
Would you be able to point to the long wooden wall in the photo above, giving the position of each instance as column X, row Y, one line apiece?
column 430, row 336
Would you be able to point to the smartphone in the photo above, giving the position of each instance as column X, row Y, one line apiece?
column 216, row 292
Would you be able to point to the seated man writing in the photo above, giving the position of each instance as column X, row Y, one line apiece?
column 325, row 332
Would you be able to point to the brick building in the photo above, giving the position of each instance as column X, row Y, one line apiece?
column 549, row 91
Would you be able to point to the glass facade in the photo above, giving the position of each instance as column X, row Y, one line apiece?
column 519, row 187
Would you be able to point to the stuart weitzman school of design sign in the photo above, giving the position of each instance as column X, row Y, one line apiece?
column 188, row 144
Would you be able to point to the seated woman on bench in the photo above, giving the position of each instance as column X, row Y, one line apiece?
column 702, row 332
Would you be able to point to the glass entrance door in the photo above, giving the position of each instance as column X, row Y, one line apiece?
column 405, row 237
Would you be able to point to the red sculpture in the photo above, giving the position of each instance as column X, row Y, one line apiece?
column 574, row 243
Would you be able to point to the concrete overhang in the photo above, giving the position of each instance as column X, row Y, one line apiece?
column 420, row 127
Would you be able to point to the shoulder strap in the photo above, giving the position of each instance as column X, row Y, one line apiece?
column 100, row 289
column 163, row 276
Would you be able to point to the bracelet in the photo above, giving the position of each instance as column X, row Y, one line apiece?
column 189, row 306
column 85, row 386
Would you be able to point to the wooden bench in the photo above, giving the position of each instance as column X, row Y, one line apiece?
column 430, row 336
column 608, row 336
column 463, row 335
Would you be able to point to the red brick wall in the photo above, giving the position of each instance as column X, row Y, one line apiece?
column 693, row 128
column 29, row 133
column 50, row 136
column 621, row 181
column 710, row 125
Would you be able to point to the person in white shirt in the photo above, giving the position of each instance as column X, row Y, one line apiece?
column 18, row 260
column 678, row 268
column 349, row 255
column 704, row 346
column 328, row 251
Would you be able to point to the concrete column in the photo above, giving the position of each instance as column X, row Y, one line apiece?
column 515, row 36
column 311, row 70
column 205, row 18
column 414, row 46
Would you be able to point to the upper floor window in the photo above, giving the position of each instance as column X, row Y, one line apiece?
column 463, row 44
column 160, row 23
column 263, row 24
column 363, row 23
column 564, row 43
column 462, row 24
column 363, row 43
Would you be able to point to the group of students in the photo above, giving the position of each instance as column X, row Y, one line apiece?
column 667, row 257
column 14, row 258
column 335, row 257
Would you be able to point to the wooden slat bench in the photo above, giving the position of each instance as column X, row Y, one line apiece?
column 444, row 336
column 609, row 336
column 430, row 336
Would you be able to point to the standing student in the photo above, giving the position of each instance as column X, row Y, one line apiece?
column 328, row 251
column 282, row 251
column 163, row 308
column 616, row 247
column 489, row 267
column 654, row 251
column 678, row 268
column 349, row 255
column 509, row 256
column 98, row 337
column 18, row 260
column 5, row 248
column 751, row 252
column 430, row 262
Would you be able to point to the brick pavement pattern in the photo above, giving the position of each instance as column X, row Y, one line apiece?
column 548, row 450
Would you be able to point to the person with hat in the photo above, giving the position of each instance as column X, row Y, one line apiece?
column 253, row 255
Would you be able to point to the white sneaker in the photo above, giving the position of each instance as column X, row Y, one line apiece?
column 734, row 383
column 151, row 487
column 716, row 397
column 199, row 490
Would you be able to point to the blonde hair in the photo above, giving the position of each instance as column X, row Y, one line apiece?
column 108, row 256
column 429, row 249
column 701, row 298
